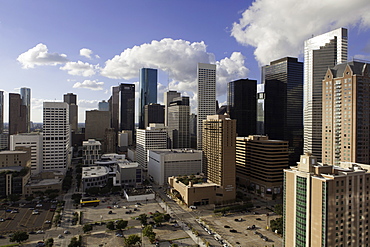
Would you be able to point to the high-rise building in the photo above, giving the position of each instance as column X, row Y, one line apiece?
column 219, row 147
column 17, row 115
column 281, row 113
column 114, row 108
column 259, row 164
column 206, row 96
column 1, row 112
column 325, row 205
column 242, row 105
column 179, row 122
column 71, row 100
column 26, row 101
column 168, row 98
column 103, row 106
column 126, row 107
column 153, row 137
column 56, row 136
column 153, row 113
column 320, row 53
column 148, row 92
column 193, row 130
column 96, row 122
column 346, row 111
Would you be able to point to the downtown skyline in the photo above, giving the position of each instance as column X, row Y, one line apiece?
column 86, row 47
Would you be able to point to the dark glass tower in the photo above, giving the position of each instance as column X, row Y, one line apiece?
column 280, row 104
column 17, row 115
column 148, row 92
column 26, row 101
column 126, row 118
column 241, row 101
column 71, row 100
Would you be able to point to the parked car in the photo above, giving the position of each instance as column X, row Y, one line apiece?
column 226, row 226
column 258, row 219
column 110, row 212
column 47, row 222
column 233, row 230
column 67, row 232
column 60, row 236
column 193, row 207
column 40, row 232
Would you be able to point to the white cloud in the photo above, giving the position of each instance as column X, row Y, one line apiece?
column 179, row 59
column 89, row 84
column 86, row 52
column 278, row 28
column 39, row 55
column 80, row 68
column 88, row 104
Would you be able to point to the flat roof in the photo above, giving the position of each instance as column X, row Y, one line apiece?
column 173, row 151
column 94, row 171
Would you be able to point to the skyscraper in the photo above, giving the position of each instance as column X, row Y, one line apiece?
column 206, row 96
column 56, row 136
column 114, row 108
column 26, row 101
column 1, row 112
column 320, row 53
column 17, row 115
column 168, row 98
column 179, row 121
column 103, row 106
column 242, row 105
column 281, row 113
column 126, row 107
column 148, row 92
column 326, row 205
column 153, row 113
column 346, row 111
column 71, row 100
column 219, row 148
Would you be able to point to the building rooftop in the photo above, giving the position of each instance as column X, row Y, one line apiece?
column 94, row 171
column 171, row 151
column 12, row 152
column 44, row 182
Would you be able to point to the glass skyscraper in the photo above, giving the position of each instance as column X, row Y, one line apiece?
column 26, row 101
column 148, row 92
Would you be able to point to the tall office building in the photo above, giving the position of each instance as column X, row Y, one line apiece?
column 325, row 205
column 168, row 98
column 179, row 122
column 114, row 108
column 259, row 164
column 219, row 147
column 206, row 96
column 71, row 100
column 153, row 113
column 281, row 113
column 153, row 137
column 96, row 122
column 320, row 53
column 126, row 107
column 242, row 105
column 148, row 92
column 1, row 112
column 26, row 101
column 17, row 115
column 56, row 136
column 346, row 112
column 103, row 106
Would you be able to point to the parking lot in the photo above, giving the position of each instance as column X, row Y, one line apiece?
column 15, row 218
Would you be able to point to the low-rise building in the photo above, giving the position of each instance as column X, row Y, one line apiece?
column 164, row 163
column 91, row 151
column 128, row 174
column 94, row 176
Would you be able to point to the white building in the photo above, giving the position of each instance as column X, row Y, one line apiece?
column 34, row 141
column 206, row 96
column 164, row 163
column 128, row 174
column 320, row 53
column 91, row 151
column 154, row 137
column 56, row 136
column 94, row 176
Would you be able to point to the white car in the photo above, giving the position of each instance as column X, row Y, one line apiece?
column 40, row 232
column 38, row 205
column 193, row 207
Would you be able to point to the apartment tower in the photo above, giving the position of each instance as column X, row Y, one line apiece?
column 320, row 53
column 148, row 92
column 219, row 137
column 206, row 96
column 346, row 114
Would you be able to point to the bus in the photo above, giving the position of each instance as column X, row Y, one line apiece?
column 85, row 202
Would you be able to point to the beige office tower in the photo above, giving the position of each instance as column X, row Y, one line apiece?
column 219, row 145
column 346, row 112
column 325, row 205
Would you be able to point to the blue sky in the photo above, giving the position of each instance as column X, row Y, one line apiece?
column 86, row 47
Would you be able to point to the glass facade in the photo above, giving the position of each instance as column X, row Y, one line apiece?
column 126, row 116
column 301, row 211
column 148, row 91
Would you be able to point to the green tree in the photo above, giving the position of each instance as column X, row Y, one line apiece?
column 121, row 224
column 278, row 209
column 49, row 242
column 132, row 240
column 110, row 225
column 75, row 242
column 158, row 219
column 148, row 232
column 76, row 198
column 19, row 236
column 87, row 228
column 176, row 245
column 277, row 224
column 143, row 218
column 14, row 197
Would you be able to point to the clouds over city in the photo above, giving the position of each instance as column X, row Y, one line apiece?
column 279, row 28
column 89, row 84
column 80, row 68
column 39, row 55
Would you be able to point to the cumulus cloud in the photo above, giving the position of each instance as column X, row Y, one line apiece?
column 39, row 55
column 80, row 68
column 89, row 84
column 278, row 28
column 179, row 59
column 86, row 52
column 88, row 104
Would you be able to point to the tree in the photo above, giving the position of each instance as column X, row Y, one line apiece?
column 19, row 237
column 278, row 209
column 110, row 225
column 49, row 242
column 14, row 197
column 121, row 224
column 132, row 240
column 148, row 232
column 76, row 198
column 158, row 219
column 143, row 219
column 87, row 228
column 75, row 242
column 277, row 224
